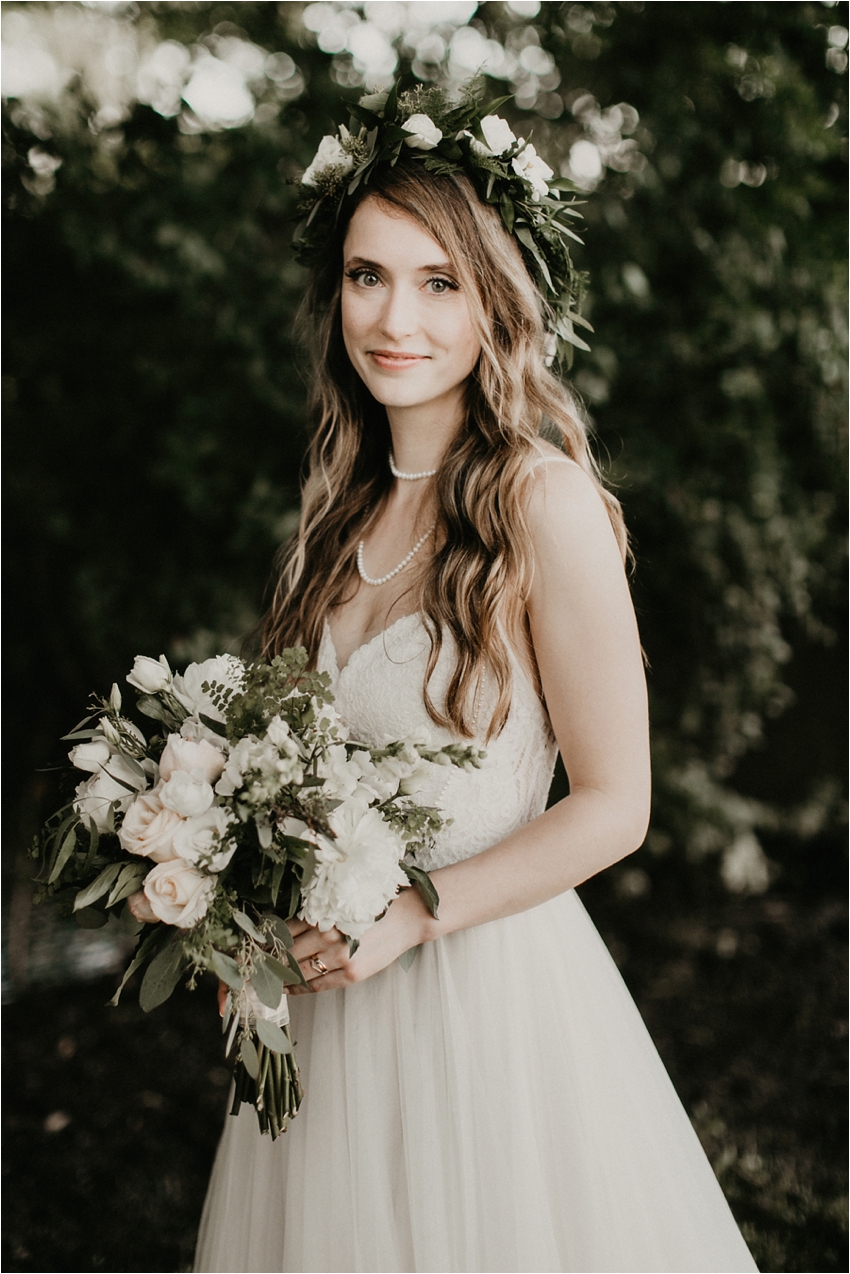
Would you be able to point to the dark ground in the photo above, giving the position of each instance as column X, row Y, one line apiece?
column 112, row 1117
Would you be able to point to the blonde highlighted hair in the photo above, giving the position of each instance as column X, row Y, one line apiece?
column 478, row 579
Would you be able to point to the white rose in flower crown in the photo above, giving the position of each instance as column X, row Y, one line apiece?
column 188, row 794
column 224, row 670
column 528, row 165
column 150, row 675
column 178, row 894
column 497, row 133
column 424, row 134
column 148, row 828
column 185, row 754
column 90, row 756
column 200, row 840
column 329, row 155
column 357, row 874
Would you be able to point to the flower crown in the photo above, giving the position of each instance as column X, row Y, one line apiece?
column 450, row 137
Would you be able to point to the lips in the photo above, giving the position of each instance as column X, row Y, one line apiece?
column 395, row 360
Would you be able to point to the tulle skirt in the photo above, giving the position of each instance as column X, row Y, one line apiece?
column 497, row 1107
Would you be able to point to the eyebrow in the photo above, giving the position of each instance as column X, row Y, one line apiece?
column 442, row 267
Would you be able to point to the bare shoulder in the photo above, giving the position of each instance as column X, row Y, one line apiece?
column 566, row 507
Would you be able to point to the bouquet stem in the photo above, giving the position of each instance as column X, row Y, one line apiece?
column 275, row 1094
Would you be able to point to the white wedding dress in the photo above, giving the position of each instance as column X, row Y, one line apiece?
column 497, row 1107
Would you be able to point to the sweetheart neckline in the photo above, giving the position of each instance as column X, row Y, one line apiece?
column 414, row 614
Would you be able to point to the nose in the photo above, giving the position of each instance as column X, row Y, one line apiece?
column 399, row 313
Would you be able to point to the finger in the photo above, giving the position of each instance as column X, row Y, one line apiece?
column 313, row 942
column 297, row 926
column 222, row 997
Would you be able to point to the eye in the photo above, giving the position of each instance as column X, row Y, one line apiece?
column 365, row 277
column 439, row 286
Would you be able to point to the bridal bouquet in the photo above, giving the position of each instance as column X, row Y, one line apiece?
column 247, row 804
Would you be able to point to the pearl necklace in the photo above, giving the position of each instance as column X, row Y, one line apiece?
column 367, row 579
column 409, row 477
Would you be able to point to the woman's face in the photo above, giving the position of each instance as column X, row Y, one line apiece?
column 405, row 319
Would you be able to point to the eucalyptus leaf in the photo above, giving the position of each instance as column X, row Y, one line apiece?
column 148, row 944
column 407, row 957
column 98, row 887
column 64, row 854
column 151, row 707
column 250, row 1060
column 127, row 883
column 245, row 922
column 211, row 723
column 284, row 972
column 281, row 930
column 161, row 976
column 267, row 983
column 272, row 1036
column 227, row 969
column 423, row 882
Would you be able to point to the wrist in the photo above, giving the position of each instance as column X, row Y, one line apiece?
column 419, row 918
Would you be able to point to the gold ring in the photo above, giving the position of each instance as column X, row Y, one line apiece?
column 318, row 966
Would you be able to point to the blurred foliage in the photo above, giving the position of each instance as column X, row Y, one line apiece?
column 154, row 382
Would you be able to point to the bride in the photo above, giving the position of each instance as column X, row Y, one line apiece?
column 496, row 1104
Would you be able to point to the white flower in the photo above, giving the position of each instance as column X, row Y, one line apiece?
column 96, row 795
column 178, row 894
column 424, row 134
column 112, row 731
column 374, row 102
column 150, row 675
column 357, row 874
column 224, row 670
column 498, row 134
column 201, row 840
column 271, row 765
column 184, row 754
column 528, row 165
column 90, row 756
column 329, row 155
column 187, row 793
column 421, row 777
column 148, row 828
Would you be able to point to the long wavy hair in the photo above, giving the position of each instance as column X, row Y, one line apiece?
column 476, row 585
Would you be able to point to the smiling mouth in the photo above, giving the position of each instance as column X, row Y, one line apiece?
column 389, row 358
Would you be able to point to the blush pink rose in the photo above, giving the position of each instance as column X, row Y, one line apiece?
column 186, row 754
column 148, row 828
column 178, row 894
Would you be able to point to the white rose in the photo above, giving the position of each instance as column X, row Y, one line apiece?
column 329, row 155
column 374, row 101
column 497, row 133
column 148, row 828
column 150, row 675
column 95, row 797
column 424, row 134
column 528, row 165
column 188, row 794
column 357, row 874
column 178, row 894
column 224, row 670
column 184, row 754
column 90, row 756
column 200, row 840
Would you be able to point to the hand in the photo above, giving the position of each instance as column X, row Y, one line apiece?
column 141, row 908
column 402, row 927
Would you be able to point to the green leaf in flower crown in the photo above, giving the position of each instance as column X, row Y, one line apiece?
column 506, row 207
column 250, row 1060
column 267, row 983
column 162, row 975
column 272, row 1036
column 391, row 105
column 363, row 115
column 246, row 923
column 98, row 887
column 227, row 969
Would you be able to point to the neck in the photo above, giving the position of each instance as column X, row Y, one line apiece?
column 421, row 435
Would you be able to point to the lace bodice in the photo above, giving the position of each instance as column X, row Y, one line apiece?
column 379, row 696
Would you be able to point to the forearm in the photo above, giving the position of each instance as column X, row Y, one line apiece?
column 580, row 836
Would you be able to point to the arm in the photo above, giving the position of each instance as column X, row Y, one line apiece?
column 586, row 644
